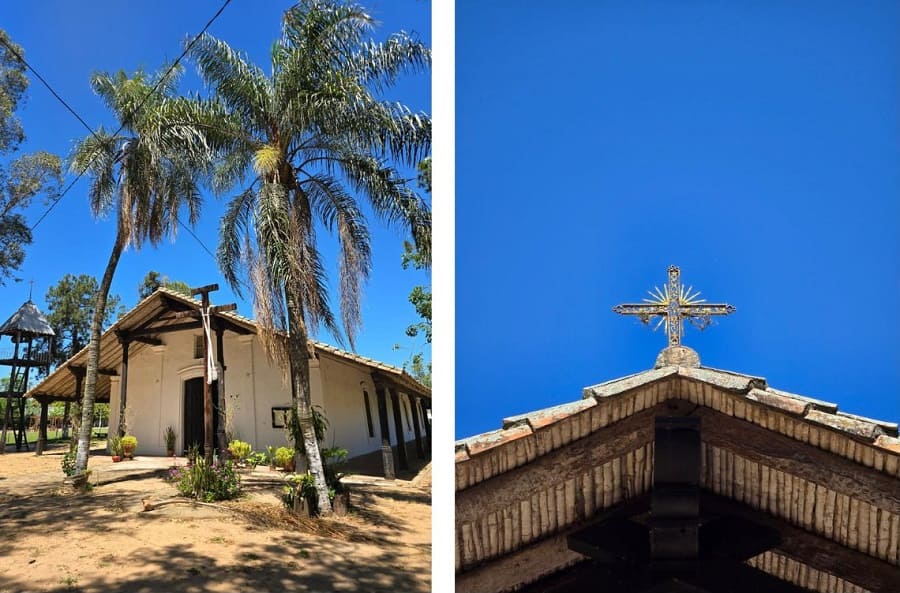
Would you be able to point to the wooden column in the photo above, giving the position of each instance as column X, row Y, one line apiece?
column 426, row 406
column 420, row 450
column 42, row 429
column 398, row 424
column 123, row 387
column 221, row 437
column 9, row 389
column 387, row 455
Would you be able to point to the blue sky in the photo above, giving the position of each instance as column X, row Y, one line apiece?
column 755, row 145
column 67, row 41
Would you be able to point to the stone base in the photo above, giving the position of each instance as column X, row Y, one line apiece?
column 677, row 356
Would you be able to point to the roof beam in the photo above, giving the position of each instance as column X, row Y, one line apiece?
column 77, row 369
column 813, row 550
column 769, row 448
column 165, row 329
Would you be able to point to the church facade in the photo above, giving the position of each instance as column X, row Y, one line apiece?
column 152, row 367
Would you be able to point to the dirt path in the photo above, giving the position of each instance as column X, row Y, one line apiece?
column 102, row 542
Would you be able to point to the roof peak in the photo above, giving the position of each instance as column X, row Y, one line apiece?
column 681, row 356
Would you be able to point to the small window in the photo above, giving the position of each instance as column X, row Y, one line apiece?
column 279, row 417
column 199, row 350
column 368, row 414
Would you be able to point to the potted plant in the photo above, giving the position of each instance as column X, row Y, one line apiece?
column 170, row 435
column 129, row 444
column 115, row 448
column 239, row 451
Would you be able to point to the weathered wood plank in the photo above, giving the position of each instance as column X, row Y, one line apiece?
column 818, row 553
column 521, row 567
column 558, row 466
column 810, row 463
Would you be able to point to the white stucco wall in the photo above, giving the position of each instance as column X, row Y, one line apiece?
column 156, row 377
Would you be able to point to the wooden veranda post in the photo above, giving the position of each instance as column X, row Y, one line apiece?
column 42, row 428
column 205, row 314
column 221, row 437
column 387, row 455
column 123, row 385
column 398, row 425
column 204, row 291
column 414, row 405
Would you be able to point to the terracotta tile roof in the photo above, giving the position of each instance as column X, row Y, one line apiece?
column 520, row 489
column 61, row 383
column 880, row 433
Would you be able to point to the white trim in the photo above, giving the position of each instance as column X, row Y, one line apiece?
column 191, row 371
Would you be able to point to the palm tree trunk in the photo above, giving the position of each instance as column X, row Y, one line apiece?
column 301, row 399
column 90, row 383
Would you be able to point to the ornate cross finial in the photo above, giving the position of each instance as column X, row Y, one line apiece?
column 674, row 305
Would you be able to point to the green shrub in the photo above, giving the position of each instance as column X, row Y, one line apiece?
column 333, row 461
column 239, row 450
column 114, row 443
column 170, row 435
column 68, row 460
column 302, row 485
column 255, row 459
column 284, row 456
column 209, row 483
column 129, row 444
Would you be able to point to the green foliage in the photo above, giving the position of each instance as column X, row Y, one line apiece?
column 334, row 459
column 153, row 280
column 420, row 297
column 284, row 456
column 129, row 444
column 70, row 307
column 424, row 178
column 239, row 450
column 257, row 458
column 169, row 435
column 68, row 461
column 25, row 177
column 292, row 427
column 114, row 443
column 302, row 485
column 206, row 482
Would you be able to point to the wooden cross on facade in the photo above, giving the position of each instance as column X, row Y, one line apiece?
column 674, row 305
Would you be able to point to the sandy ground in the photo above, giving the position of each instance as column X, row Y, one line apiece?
column 101, row 541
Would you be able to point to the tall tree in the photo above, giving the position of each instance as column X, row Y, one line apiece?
column 24, row 177
column 420, row 297
column 70, row 306
column 154, row 280
column 312, row 138
column 145, row 173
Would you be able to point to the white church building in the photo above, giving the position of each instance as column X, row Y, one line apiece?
column 153, row 359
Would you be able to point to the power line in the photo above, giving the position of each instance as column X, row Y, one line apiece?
column 137, row 109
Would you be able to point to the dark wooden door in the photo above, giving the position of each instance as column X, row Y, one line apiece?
column 193, row 411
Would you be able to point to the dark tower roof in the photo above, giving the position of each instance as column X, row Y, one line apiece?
column 27, row 320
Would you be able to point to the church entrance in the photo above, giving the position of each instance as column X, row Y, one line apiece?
column 193, row 412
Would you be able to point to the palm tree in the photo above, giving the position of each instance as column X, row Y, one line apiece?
column 312, row 138
column 146, row 171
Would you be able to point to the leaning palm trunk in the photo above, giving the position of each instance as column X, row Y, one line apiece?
column 90, row 382
column 301, row 401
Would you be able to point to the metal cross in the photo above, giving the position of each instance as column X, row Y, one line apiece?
column 673, row 306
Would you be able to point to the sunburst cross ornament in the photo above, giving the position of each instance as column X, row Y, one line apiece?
column 673, row 305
